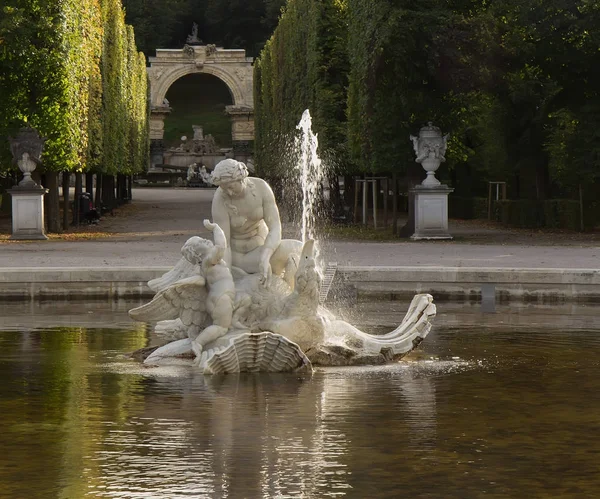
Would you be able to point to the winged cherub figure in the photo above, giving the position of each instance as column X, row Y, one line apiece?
column 219, row 282
column 210, row 290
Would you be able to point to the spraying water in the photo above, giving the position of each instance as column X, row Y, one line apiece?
column 312, row 174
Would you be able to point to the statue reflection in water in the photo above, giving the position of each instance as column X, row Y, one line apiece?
column 272, row 435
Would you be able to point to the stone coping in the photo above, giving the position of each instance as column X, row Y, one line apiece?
column 473, row 274
column 351, row 282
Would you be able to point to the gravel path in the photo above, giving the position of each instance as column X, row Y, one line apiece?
column 150, row 231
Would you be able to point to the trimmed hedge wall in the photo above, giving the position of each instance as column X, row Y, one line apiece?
column 70, row 69
column 467, row 208
column 527, row 213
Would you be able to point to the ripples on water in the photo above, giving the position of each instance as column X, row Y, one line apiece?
column 491, row 410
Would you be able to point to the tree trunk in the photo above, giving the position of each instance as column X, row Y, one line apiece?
column 98, row 196
column 121, row 188
column 7, row 183
column 386, row 191
column 52, row 202
column 66, row 188
column 394, row 204
column 349, row 194
column 414, row 176
column 129, row 188
column 121, row 196
column 581, row 211
column 89, row 184
column 108, row 193
column 76, row 200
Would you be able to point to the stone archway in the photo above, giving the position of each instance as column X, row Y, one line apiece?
column 229, row 65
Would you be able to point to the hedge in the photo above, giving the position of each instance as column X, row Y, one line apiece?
column 70, row 70
column 525, row 213
column 551, row 213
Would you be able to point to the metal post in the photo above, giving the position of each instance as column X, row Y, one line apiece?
column 355, row 212
column 364, row 205
column 374, row 182
column 386, row 192
column 394, row 204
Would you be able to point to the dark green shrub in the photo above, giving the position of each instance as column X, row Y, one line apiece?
column 467, row 208
column 551, row 214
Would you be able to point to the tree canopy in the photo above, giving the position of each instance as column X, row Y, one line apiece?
column 514, row 82
column 232, row 24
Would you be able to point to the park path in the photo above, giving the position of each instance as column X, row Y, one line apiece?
column 150, row 231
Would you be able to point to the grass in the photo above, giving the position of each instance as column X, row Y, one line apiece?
column 198, row 99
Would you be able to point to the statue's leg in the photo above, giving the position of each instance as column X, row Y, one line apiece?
column 248, row 262
column 280, row 257
column 242, row 307
column 209, row 334
column 221, row 314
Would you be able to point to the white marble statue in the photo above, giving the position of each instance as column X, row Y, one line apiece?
column 250, row 300
column 245, row 208
column 205, row 176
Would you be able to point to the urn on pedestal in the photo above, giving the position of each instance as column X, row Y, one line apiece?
column 27, row 196
column 431, row 197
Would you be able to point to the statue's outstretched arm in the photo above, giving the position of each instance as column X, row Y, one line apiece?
column 273, row 239
column 218, row 234
column 218, row 252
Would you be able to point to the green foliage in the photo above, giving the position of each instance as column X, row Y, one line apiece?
column 53, row 79
column 38, row 38
column 393, row 88
column 516, row 84
column 206, row 108
column 114, row 84
column 303, row 66
column 124, row 96
column 551, row 213
column 467, row 208
column 243, row 24
column 562, row 213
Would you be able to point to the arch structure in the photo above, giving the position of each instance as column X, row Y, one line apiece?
column 229, row 65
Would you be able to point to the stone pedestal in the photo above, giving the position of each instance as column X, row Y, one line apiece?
column 431, row 212
column 157, row 151
column 28, row 212
column 242, row 123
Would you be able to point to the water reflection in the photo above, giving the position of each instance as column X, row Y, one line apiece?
column 255, row 436
column 485, row 408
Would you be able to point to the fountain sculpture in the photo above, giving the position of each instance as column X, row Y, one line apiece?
column 249, row 301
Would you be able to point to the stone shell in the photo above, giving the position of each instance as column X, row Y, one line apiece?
column 256, row 352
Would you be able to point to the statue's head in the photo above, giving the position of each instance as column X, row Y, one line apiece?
column 230, row 175
column 195, row 249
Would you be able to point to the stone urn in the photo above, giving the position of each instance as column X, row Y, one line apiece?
column 430, row 147
column 27, row 197
column 26, row 148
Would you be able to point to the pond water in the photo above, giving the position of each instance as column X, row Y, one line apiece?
column 494, row 405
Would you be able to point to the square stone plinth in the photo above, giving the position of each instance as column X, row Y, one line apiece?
column 28, row 213
column 431, row 212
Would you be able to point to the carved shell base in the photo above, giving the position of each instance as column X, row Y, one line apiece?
column 256, row 352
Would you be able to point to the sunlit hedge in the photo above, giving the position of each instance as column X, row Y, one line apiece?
column 69, row 68
column 303, row 65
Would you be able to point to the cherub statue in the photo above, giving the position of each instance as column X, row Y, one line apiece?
column 209, row 290
column 219, row 282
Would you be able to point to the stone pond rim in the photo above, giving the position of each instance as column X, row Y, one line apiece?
column 359, row 283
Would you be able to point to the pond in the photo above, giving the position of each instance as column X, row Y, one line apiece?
column 498, row 404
